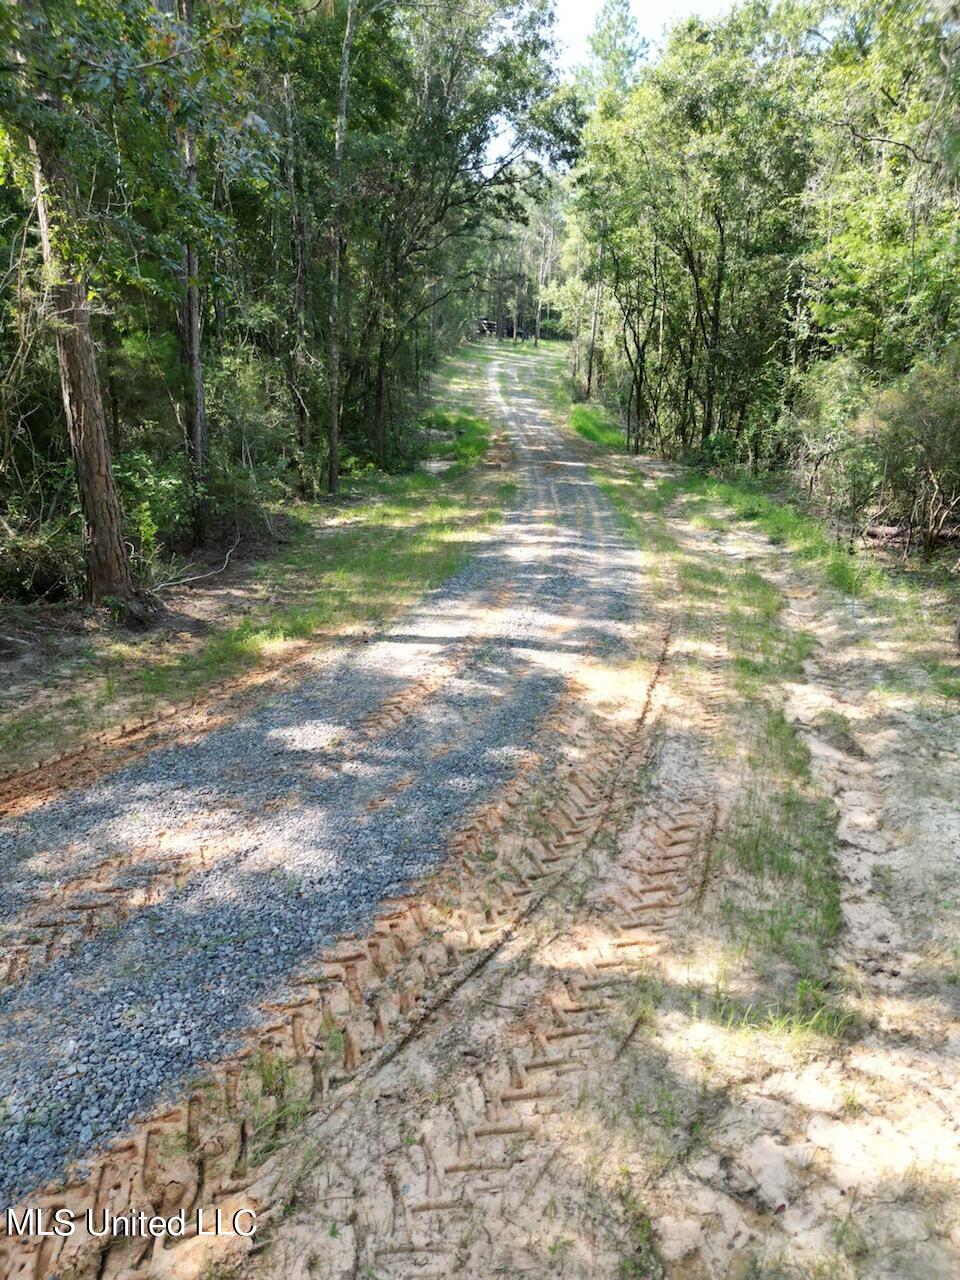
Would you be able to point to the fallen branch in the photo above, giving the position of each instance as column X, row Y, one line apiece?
column 888, row 532
column 199, row 577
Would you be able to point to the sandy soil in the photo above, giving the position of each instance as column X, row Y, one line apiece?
column 523, row 1065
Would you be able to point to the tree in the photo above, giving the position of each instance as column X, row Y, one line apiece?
column 689, row 195
column 616, row 48
column 108, row 567
column 336, row 238
column 766, row 271
column 190, row 311
column 37, row 115
column 285, row 219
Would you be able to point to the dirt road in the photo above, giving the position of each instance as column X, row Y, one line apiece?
column 462, row 956
column 149, row 915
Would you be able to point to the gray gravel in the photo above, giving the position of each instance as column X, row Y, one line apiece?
column 101, row 1036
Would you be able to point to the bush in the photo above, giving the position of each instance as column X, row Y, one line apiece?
column 918, row 430
column 836, row 453
column 555, row 330
column 46, row 561
column 889, row 455
column 719, row 452
column 254, row 455
column 826, row 401
column 155, row 494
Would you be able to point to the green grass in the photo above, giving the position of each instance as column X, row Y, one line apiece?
column 595, row 425
column 629, row 503
column 920, row 600
column 290, row 1107
column 810, row 1012
column 641, row 1258
column 915, row 598
column 407, row 538
column 806, row 536
column 781, row 839
column 918, row 597
column 781, row 909
column 350, row 564
column 470, row 436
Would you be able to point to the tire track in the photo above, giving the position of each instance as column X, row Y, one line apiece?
column 105, row 895
column 337, row 1023
column 370, row 998
column 465, row 1186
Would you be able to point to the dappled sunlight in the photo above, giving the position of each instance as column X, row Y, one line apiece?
column 627, row 847
column 304, row 813
column 751, row 1007
column 719, row 1089
column 779, row 1134
column 344, row 568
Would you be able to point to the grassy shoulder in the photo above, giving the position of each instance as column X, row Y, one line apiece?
column 594, row 425
column 745, row 1029
column 922, row 598
column 777, row 916
column 347, row 565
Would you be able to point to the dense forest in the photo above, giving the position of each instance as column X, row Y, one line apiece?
column 762, row 252
column 234, row 242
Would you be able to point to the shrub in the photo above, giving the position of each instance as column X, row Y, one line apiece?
column 836, row 455
column 890, row 455
column 44, row 561
column 918, row 429
column 155, row 495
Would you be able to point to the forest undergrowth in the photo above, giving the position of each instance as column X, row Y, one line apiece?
column 337, row 567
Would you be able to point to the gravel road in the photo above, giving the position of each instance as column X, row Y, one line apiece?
column 311, row 822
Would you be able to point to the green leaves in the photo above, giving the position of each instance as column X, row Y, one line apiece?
column 777, row 189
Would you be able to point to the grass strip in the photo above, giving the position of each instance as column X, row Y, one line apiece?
column 347, row 566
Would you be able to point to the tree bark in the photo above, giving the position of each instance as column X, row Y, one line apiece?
column 501, row 326
column 593, row 324
column 298, row 300
column 543, row 276
column 518, row 288
column 380, row 404
column 190, row 334
column 190, row 331
column 336, row 231
column 712, row 350
column 108, row 566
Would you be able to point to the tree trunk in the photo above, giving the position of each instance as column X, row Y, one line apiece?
column 108, row 567
column 593, row 324
column 190, row 329
column 380, row 404
column 518, row 287
column 499, row 300
column 543, row 276
column 298, row 300
column 712, row 351
column 190, row 332
column 539, row 304
column 336, row 230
